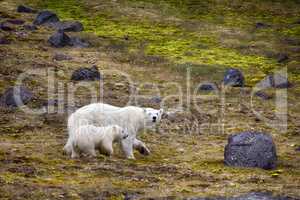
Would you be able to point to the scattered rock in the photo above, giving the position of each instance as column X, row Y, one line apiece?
column 30, row 27
column 297, row 149
column 21, row 93
column 248, row 196
column 156, row 99
column 263, row 95
column 6, row 27
column 260, row 25
column 59, row 39
column 25, row 9
column 292, row 41
column 275, row 80
column 208, row 87
column 87, row 74
column 234, row 77
column 16, row 21
column 251, row 149
column 61, row 56
column 4, row 40
column 68, row 26
column 78, row 42
column 282, row 57
column 45, row 17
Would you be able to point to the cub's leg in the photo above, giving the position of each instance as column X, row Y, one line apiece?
column 141, row 147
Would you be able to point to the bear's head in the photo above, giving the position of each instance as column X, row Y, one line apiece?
column 120, row 132
column 153, row 116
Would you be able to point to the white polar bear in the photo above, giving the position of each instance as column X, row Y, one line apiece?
column 131, row 118
column 88, row 138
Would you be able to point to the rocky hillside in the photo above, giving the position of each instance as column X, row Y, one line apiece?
column 152, row 54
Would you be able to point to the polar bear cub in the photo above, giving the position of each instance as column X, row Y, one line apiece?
column 88, row 138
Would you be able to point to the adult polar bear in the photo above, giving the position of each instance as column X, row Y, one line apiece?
column 131, row 118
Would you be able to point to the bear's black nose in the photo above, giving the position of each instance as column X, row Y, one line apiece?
column 154, row 119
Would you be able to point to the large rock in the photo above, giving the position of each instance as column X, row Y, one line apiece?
column 248, row 196
column 60, row 39
column 251, row 149
column 25, row 9
column 86, row 74
column 276, row 81
column 68, row 26
column 45, row 17
column 234, row 77
column 11, row 96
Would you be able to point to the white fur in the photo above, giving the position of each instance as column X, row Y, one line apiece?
column 88, row 138
column 131, row 118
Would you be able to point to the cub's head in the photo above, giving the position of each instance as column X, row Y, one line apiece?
column 121, row 133
column 153, row 116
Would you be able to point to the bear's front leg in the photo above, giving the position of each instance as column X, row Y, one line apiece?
column 141, row 147
column 127, row 147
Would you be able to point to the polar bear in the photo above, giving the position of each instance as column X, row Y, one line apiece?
column 88, row 138
column 131, row 118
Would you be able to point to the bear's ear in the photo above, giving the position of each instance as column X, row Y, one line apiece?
column 144, row 109
column 161, row 111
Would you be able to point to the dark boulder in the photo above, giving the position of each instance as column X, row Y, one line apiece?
column 207, row 87
column 30, row 27
column 278, row 81
column 25, row 9
column 4, row 40
column 68, row 26
column 86, row 74
column 16, row 21
column 6, row 27
column 15, row 96
column 45, row 17
column 234, row 77
column 250, row 149
column 79, row 42
column 297, row 149
column 60, row 39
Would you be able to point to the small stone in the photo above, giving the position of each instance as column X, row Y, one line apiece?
column 45, row 17
column 260, row 25
column 30, row 27
column 11, row 97
column 6, row 27
column 282, row 57
column 3, row 40
column 16, row 21
column 61, row 57
column 25, row 9
column 298, row 149
column 68, row 26
column 78, row 42
column 208, row 87
column 156, row 99
column 263, row 95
